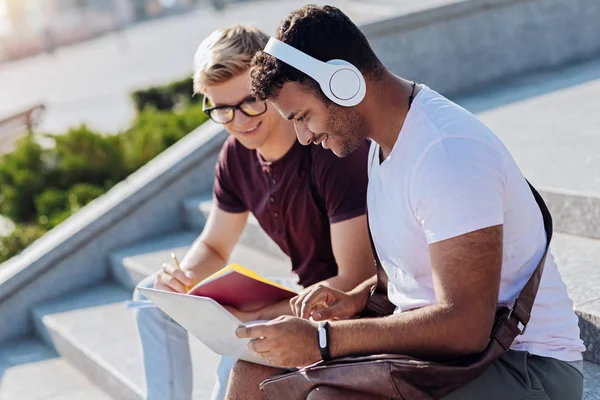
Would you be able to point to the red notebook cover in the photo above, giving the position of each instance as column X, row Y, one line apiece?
column 241, row 291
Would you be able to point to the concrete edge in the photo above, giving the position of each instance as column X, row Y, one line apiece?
column 433, row 15
column 126, row 274
column 589, row 326
column 94, row 368
column 196, row 209
column 573, row 213
column 115, row 205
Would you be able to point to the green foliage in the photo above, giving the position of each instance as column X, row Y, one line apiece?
column 82, row 155
column 41, row 187
column 22, row 176
column 166, row 97
column 82, row 194
column 51, row 201
column 19, row 239
column 154, row 131
column 54, row 205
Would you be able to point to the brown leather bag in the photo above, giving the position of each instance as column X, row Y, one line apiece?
column 403, row 377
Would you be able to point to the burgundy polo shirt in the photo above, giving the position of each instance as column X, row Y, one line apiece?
column 279, row 195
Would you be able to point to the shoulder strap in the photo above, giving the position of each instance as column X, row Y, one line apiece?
column 313, row 186
column 521, row 309
column 524, row 303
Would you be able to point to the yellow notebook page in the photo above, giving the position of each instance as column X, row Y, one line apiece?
column 244, row 271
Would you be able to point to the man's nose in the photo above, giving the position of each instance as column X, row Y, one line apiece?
column 305, row 136
column 240, row 119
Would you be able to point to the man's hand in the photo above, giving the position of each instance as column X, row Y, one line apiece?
column 286, row 342
column 322, row 303
column 172, row 279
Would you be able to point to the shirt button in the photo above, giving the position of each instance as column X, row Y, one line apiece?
column 276, row 214
column 272, row 199
column 274, row 181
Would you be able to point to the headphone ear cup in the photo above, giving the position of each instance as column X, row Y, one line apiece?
column 346, row 85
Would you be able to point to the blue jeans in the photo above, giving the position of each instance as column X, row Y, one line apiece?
column 167, row 360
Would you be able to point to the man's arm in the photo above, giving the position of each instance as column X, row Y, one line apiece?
column 352, row 252
column 208, row 254
column 466, row 277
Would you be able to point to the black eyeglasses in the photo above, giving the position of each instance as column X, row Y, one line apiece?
column 225, row 114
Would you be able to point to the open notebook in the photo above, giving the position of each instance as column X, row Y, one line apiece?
column 241, row 288
column 205, row 319
column 199, row 310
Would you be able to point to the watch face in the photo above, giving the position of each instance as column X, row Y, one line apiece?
column 322, row 335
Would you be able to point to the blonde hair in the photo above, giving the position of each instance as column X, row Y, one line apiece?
column 225, row 54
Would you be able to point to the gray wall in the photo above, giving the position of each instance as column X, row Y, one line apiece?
column 460, row 46
column 74, row 255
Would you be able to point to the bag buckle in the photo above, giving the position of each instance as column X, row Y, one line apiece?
column 524, row 327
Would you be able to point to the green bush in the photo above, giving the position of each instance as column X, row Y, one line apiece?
column 22, row 176
column 82, row 194
column 51, row 201
column 82, row 155
column 19, row 239
column 154, row 131
column 166, row 97
column 46, row 186
column 55, row 205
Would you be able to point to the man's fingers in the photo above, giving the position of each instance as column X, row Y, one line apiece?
column 297, row 308
column 328, row 313
column 253, row 332
column 181, row 276
column 174, row 284
column 318, row 297
column 259, row 345
column 293, row 302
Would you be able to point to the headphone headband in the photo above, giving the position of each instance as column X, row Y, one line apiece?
column 339, row 80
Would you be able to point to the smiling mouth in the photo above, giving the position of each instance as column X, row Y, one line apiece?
column 251, row 130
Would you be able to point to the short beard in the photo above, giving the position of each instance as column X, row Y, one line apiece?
column 349, row 126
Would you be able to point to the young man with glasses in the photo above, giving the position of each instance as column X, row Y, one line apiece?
column 311, row 203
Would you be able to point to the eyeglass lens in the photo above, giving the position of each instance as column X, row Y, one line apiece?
column 250, row 107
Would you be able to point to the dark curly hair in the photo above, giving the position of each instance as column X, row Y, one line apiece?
column 324, row 33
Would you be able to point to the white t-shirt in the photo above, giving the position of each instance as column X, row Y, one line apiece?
column 448, row 175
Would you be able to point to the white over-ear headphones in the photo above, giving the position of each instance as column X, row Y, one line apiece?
column 341, row 81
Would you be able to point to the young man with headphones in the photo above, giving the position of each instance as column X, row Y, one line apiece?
column 455, row 225
column 310, row 203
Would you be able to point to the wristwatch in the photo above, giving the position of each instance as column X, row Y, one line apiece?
column 323, row 332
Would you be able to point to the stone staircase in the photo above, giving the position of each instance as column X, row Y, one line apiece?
column 90, row 336
column 86, row 342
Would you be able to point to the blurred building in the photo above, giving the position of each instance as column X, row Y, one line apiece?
column 28, row 27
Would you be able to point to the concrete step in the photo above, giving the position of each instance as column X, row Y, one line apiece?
column 578, row 259
column 132, row 264
column 197, row 209
column 30, row 370
column 551, row 129
column 93, row 330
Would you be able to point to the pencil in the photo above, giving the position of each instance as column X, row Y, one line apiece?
column 176, row 262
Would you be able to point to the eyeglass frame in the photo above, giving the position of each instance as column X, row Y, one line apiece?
column 234, row 107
